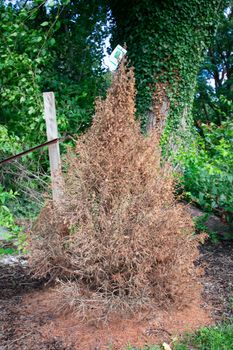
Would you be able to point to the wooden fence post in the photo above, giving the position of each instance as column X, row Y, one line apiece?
column 54, row 152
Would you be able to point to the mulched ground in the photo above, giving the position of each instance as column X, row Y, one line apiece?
column 15, row 283
column 20, row 329
column 218, row 279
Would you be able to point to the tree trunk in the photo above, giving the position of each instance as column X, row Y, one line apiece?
column 165, row 41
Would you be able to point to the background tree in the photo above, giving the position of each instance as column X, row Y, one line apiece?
column 207, row 162
column 214, row 96
column 165, row 41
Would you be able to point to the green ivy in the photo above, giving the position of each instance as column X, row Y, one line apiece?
column 166, row 41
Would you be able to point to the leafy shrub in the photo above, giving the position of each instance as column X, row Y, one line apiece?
column 119, row 231
column 207, row 166
column 17, row 184
column 6, row 217
column 10, row 229
column 200, row 227
column 7, row 146
column 24, row 177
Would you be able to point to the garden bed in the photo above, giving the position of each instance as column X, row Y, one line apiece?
column 29, row 317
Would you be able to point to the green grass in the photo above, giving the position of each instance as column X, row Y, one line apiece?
column 212, row 338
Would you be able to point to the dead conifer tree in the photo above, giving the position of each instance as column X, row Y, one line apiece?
column 120, row 235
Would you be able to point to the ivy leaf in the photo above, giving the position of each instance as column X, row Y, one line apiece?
column 52, row 41
column 44, row 24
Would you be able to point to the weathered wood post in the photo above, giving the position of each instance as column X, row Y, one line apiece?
column 54, row 152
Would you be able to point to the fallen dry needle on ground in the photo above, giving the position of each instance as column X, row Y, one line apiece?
column 28, row 320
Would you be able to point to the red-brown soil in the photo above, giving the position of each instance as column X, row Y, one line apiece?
column 141, row 329
column 29, row 320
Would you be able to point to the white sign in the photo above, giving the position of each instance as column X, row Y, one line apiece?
column 117, row 55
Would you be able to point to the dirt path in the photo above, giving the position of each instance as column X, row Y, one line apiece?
column 28, row 319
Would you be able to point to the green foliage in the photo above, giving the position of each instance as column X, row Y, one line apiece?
column 8, row 145
column 7, row 222
column 207, row 165
column 200, row 223
column 208, row 162
column 14, row 180
column 211, row 338
column 219, row 337
column 7, row 251
column 214, row 95
column 45, row 47
column 165, row 42
column 58, row 48
column 22, row 62
column 200, row 226
column 6, row 217
column 13, row 205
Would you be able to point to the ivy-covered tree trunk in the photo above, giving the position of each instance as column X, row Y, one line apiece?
column 165, row 41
